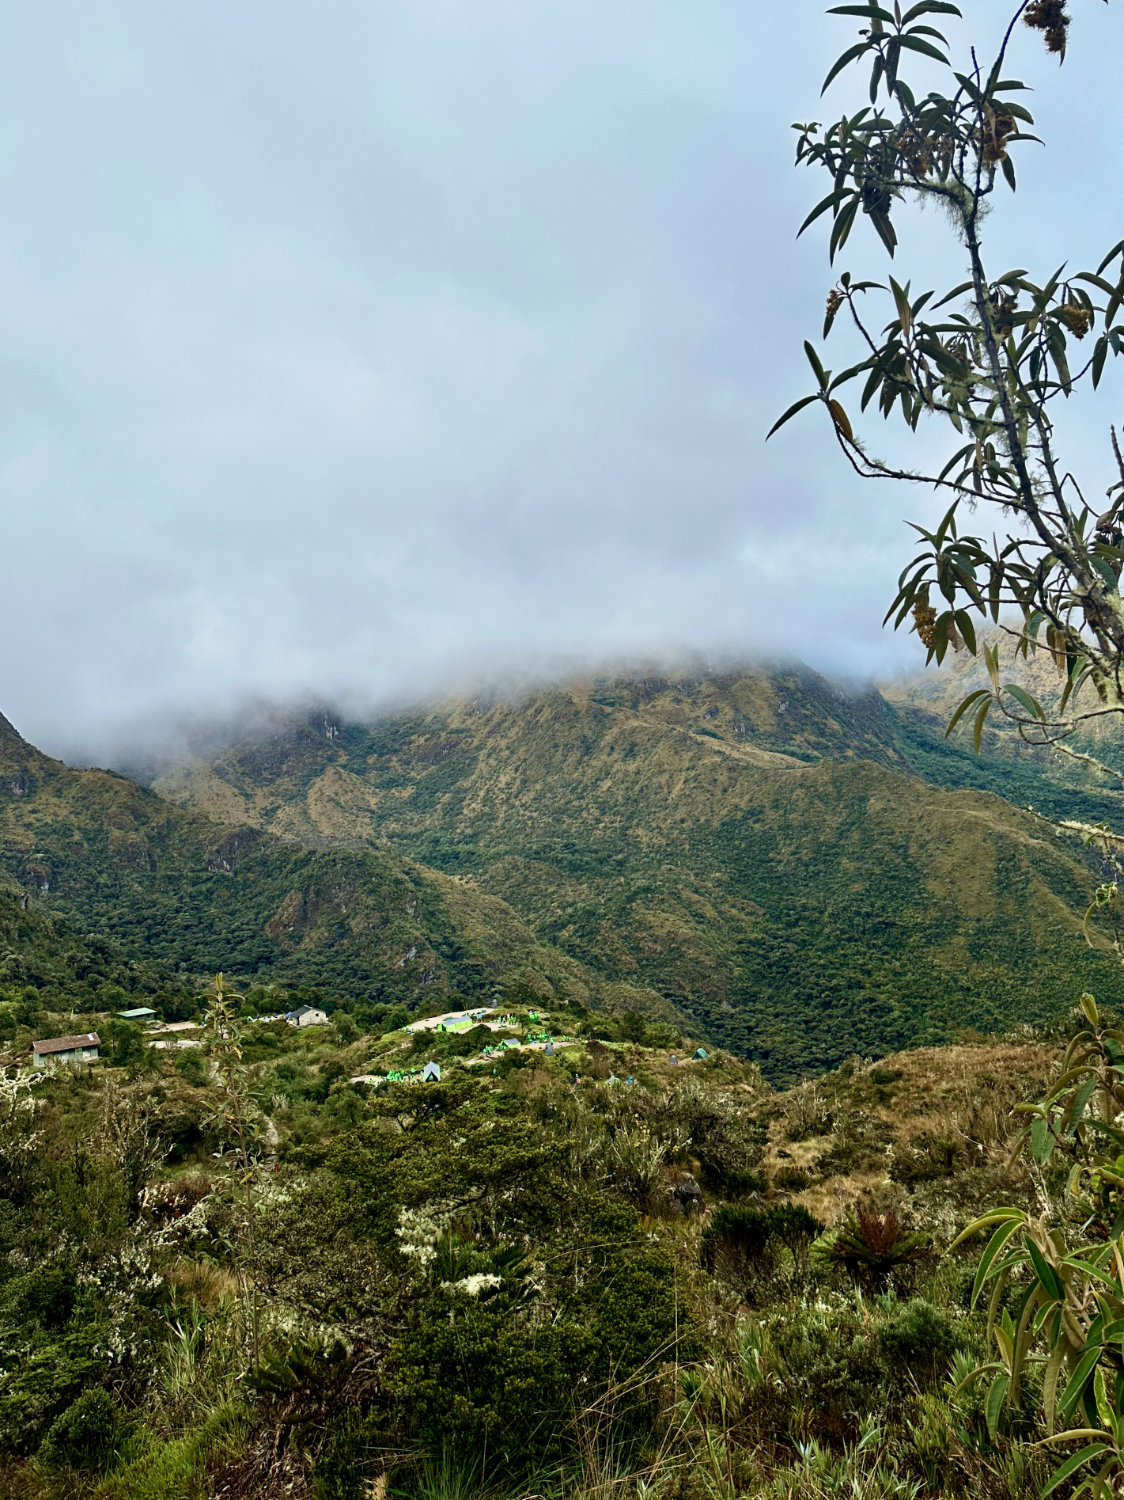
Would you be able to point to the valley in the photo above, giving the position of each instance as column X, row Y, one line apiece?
column 796, row 870
column 668, row 1030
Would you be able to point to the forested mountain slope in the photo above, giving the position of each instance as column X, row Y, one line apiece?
column 172, row 885
column 751, row 846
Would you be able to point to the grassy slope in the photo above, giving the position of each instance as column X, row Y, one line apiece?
column 170, row 884
column 750, row 846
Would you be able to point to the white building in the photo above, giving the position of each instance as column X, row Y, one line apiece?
column 306, row 1015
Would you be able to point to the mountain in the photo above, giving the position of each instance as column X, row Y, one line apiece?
column 171, row 884
column 1044, row 778
column 70, row 970
column 752, row 846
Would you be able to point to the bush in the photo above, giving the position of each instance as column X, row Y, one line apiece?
column 833, row 1369
column 354, row 1445
column 919, row 1338
column 746, row 1244
column 125, row 1042
column 927, row 1159
column 46, row 1294
column 808, row 1115
column 726, row 1140
column 191, row 1065
column 873, row 1246
column 87, row 1435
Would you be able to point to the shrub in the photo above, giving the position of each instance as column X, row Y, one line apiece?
column 833, row 1369
column 354, row 1444
column 726, row 1140
column 126, row 1045
column 751, row 1231
column 926, row 1159
column 192, row 1067
column 47, row 1294
column 808, row 1115
column 746, row 1244
column 871, row 1246
column 734, row 1231
column 919, row 1337
column 87, row 1435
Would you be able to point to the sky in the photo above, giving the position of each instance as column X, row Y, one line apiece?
column 359, row 351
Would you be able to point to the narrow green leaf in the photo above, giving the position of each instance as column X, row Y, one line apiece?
column 866, row 12
column 791, row 412
column 915, row 44
column 1078, row 1380
column 1104, row 568
column 966, row 628
column 841, row 62
column 978, row 726
column 841, row 229
column 817, row 369
column 1100, row 354
column 987, row 1259
column 930, row 8
column 1072, row 1116
column 1116, row 250
column 985, row 1221
column 1097, row 1272
column 996, row 1396
column 1050, row 1382
column 957, row 291
column 1025, row 701
column 885, row 230
column 1096, row 280
column 835, row 196
column 1045, row 1272
column 964, row 707
column 1071, row 1465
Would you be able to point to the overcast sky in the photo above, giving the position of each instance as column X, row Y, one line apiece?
column 359, row 348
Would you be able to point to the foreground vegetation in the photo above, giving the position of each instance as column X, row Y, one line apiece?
column 230, row 1270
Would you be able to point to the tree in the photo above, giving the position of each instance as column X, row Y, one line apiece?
column 991, row 357
column 126, row 1044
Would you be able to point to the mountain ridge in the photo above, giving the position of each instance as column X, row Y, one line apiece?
column 167, row 883
column 756, row 847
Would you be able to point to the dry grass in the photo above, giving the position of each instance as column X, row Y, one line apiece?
column 957, row 1096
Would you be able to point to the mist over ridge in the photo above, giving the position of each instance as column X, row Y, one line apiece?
column 148, row 743
column 366, row 360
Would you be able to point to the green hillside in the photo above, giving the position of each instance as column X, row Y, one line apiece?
column 281, row 1264
column 172, row 886
column 45, row 963
column 750, row 846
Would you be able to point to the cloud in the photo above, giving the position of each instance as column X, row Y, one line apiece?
column 362, row 350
